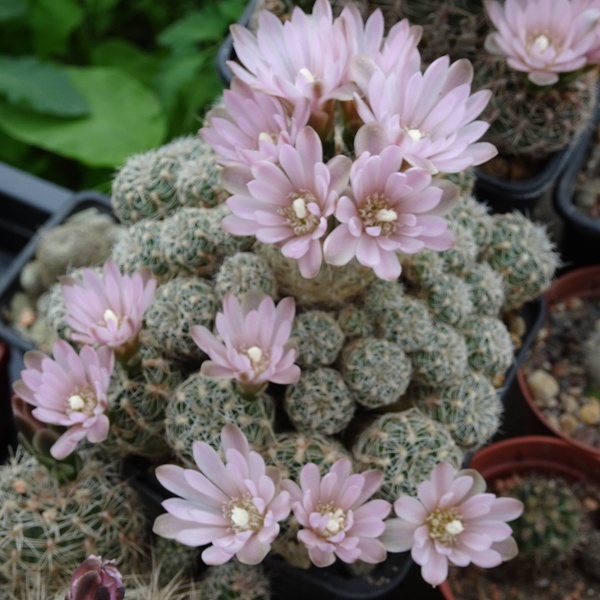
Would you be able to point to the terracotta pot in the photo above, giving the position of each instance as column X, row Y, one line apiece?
column 581, row 283
column 532, row 453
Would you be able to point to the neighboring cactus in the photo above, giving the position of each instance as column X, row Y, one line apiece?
column 226, row 243
column 243, row 272
column 449, row 299
column 201, row 407
column 524, row 255
column 234, row 581
column 178, row 305
column 319, row 338
column 50, row 528
column 55, row 312
column 464, row 252
column 188, row 248
column 331, row 288
column 443, row 357
column 423, row 268
column 138, row 413
column 408, row 324
column 377, row 372
column 474, row 216
column 355, row 322
column 489, row 345
column 521, row 122
column 406, row 446
column 320, row 402
column 174, row 559
column 382, row 295
column 141, row 246
column 465, row 180
column 289, row 452
column 551, row 524
column 471, row 409
column 486, row 289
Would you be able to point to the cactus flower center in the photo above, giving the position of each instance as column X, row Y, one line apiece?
column 243, row 515
column 415, row 134
column 109, row 315
column 255, row 354
column 266, row 137
column 336, row 522
column 306, row 74
column 298, row 216
column 83, row 401
column 376, row 212
column 444, row 525
column 542, row 42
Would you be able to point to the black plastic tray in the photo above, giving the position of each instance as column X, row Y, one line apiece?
column 580, row 241
column 9, row 280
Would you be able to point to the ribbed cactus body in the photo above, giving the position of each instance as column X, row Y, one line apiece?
column 319, row 338
column 234, row 581
column 355, row 322
column 486, row 289
column 408, row 324
column 474, row 215
column 406, row 446
column 242, row 272
column 449, row 299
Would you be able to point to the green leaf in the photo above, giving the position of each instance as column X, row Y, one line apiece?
column 117, row 52
column 41, row 87
column 52, row 23
column 199, row 26
column 232, row 9
column 126, row 118
column 12, row 9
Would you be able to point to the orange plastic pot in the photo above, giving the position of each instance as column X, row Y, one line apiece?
column 581, row 283
column 524, row 455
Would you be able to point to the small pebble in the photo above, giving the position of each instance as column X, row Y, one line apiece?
column 568, row 424
column 590, row 413
column 569, row 403
column 542, row 385
column 27, row 317
column 591, row 504
column 553, row 421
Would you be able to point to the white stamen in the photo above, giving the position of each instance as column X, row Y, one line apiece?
column 542, row 42
column 240, row 516
column 307, row 74
column 415, row 134
column 299, row 206
column 336, row 521
column 255, row 354
column 109, row 315
column 455, row 527
column 76, row 402
column 265, row 137
column 386, row 215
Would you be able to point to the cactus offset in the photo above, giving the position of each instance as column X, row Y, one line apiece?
column 319, row 338
column 234, row 581
column 355, row 322
column 243, row 272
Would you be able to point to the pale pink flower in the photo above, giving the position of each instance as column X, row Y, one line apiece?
column 388, row 211
column 252, row 126
column 235, row 506
column 544, row 37
column 96, row 578
column 107, row 309
column 336, row 516
column 453, row 520
column 429, row 115
column 69, row 391
column 288, row 204
column 305, row 57
column 257, row 346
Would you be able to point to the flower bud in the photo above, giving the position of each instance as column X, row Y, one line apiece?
column 96, row 579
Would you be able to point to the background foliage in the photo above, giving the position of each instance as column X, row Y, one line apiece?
column 86, row 83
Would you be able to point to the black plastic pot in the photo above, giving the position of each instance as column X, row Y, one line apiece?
column 9, row 280
column 8, row 436
column 226, row 51
column 580, row 242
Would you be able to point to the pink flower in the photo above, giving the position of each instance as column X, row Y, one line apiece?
column 454, row 521
column 544, row 37
column 305, row 57
column 336, row 518
column 429, row 115
column 388, row 211
column 288, row 204
column 252, row 126
column 107, row 310
column 235, row 506
column 96, row 578
column 69, row 391
column 257, row 346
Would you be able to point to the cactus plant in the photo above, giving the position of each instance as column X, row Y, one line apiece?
column 471, row 409
column 201, row 407
column 234, row 581
column 449, row 299
column 443, row 357
column 178, row 305
column 464, row 252
column 319, row 338
column 406, row 446
column 550, row 527
column 243, row 272
column 474, row 215
column 489, row 345
column 355, row 322
column 320, row 401
column 377, row 372
column 486, row 289
column 51, row 528
column 173, row 559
